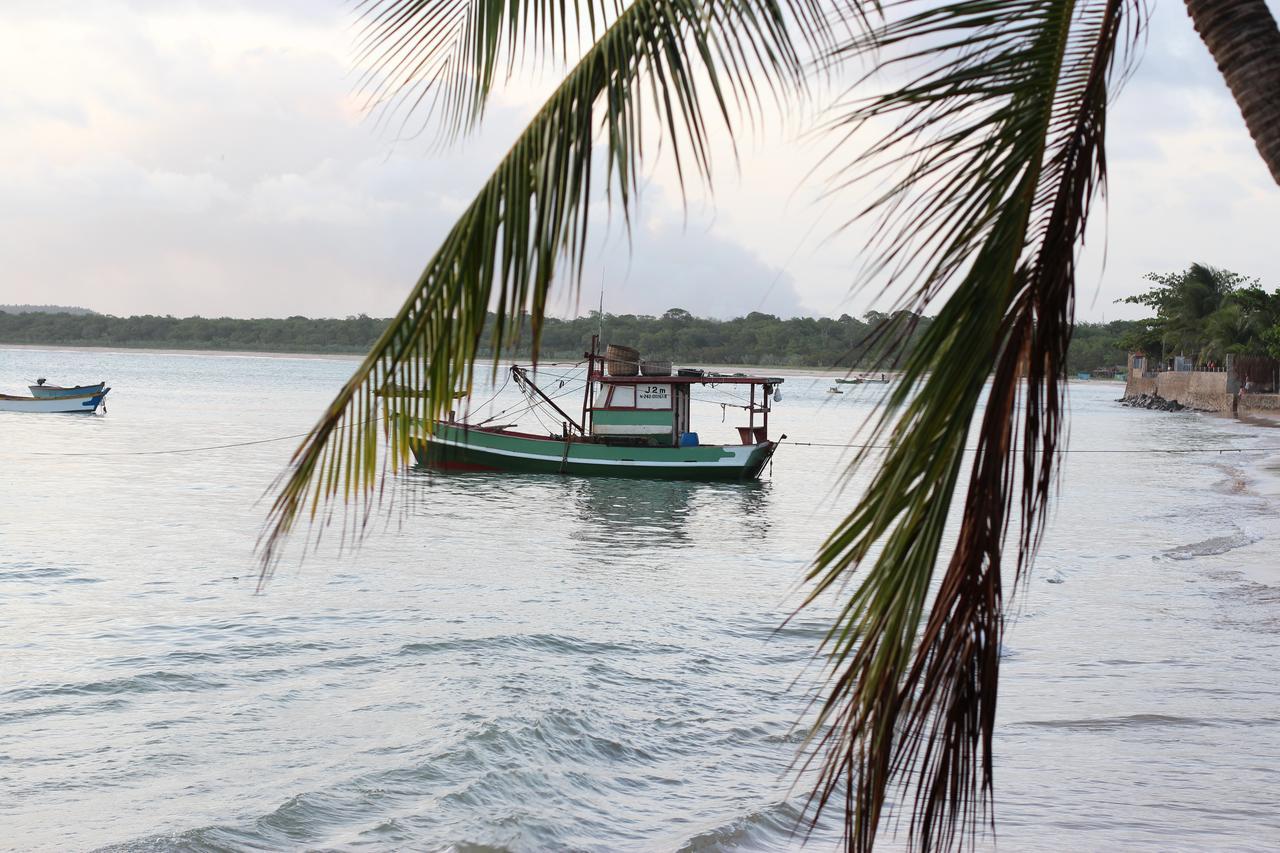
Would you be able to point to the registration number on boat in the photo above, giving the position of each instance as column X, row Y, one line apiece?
column 653, row 394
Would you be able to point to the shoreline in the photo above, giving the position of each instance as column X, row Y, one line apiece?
column 357, row 356
column 1262, row 477
column 345, row 356
column 1268, row 418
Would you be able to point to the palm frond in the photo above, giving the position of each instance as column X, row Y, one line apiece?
column 686, row 60
column 438, row 60
column 998, row 143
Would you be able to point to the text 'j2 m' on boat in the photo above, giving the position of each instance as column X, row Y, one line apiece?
column 632, row 424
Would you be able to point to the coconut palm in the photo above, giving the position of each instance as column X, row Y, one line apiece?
column 1204, row 312
column 1182, row 302
column 985, row 157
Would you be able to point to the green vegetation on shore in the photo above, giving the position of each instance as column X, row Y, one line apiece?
column 44, row 309
column 1205, row 314
column 294, row 334
column 754, row 339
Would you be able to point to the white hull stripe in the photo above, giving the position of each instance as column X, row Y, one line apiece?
column 739, row 456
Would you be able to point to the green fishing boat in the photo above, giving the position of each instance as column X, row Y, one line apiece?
column 632, row 424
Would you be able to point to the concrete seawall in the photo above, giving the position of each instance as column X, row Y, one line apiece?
column 1137, row 385
column 1259, row 403
column 1202, row 390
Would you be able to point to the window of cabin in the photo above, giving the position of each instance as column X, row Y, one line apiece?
column 624, row 396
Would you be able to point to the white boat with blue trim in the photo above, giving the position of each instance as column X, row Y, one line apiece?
column 85, row 404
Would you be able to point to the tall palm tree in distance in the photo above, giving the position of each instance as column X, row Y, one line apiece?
column 986, row 152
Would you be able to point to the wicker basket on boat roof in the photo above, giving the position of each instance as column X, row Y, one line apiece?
column 653, row 367
column 621, row 361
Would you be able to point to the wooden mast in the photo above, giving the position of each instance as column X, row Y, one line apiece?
column 588, row 393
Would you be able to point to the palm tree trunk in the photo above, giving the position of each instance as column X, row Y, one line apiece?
column 1245, row 42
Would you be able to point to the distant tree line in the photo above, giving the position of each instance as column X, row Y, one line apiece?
column 294, row 334
column 1101, row 345
column 45, row 309
column 757, row 338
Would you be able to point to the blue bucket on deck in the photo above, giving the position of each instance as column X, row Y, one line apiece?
column 688, row 439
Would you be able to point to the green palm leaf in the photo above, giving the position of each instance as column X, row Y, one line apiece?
column 998, row 145
column 528, row 224
column 438, row 59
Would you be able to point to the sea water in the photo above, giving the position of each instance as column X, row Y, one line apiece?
column 548, row 663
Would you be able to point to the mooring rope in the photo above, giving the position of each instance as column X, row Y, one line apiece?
column 841, row 445
column 1064, row 450
column 175, row 450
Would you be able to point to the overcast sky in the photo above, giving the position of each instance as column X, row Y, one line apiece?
column 183, row 157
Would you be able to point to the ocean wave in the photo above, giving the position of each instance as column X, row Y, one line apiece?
column 561, row 733
column 246, row 651
column 1213, row 546
column 385, row 835
column 1144, row 721
column 78, row 709
column 769, row 828
column 555, row 643
column 146, row 682
column 34, row 572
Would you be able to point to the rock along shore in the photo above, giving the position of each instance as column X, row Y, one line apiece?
column 1153, row 401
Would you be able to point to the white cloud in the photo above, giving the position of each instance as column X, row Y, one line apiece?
column 188, row 157
column 674, row 264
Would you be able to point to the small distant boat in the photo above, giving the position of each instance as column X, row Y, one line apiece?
column 80, row 404
column 854, row 381
column 834, row 390
column 43, row 391
column 865, row 379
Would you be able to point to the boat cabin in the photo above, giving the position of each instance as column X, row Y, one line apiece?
column 654, row 410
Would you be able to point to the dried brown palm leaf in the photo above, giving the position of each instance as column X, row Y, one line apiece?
column 998, row 147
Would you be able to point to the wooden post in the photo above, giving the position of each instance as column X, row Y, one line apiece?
column 588, row 393
column 766, row 411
